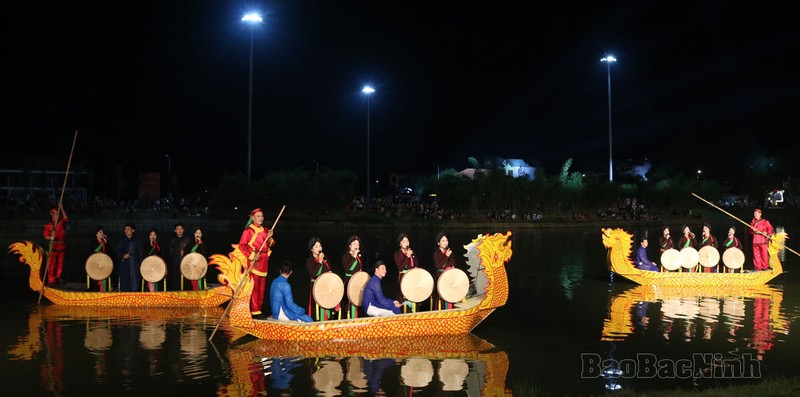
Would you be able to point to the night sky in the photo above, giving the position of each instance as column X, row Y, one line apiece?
column 701, row 84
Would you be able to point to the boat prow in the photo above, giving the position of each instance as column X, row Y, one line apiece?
column 493, row 252
column 619, row 244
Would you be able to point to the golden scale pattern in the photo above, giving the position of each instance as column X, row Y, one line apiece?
column 619, row 244
column 494, row 251
column 31, row 255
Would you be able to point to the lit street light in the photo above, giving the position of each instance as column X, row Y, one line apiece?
column 368, row 91
column 609, row 60
column 253, row 19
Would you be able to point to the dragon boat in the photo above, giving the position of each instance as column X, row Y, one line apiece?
column 31, row 255
column 447, row 349
column 487, row 254
column 619, row 244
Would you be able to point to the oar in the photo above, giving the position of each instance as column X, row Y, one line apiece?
column 743, row 222
column 58, row 214
column 245, row 278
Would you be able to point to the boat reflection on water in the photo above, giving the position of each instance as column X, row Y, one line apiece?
column 700, row 314
column 118, row 339
column 375, row 366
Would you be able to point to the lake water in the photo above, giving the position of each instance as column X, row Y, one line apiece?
column 564, row 320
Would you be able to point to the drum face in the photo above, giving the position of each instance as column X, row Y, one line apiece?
column 671, row 259
column 355, row 287
column 153, row 269
column 194, row 266
column 733, row 258
column 328, row 290
column 690, row 257
column 417, row 285
column 99, row 266
column 709, row 256
column 452, row 285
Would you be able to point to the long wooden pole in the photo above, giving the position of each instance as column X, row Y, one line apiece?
column 743, row 222
column 58, row 215
column 245, row 278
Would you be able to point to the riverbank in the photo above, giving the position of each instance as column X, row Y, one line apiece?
column 16, row 221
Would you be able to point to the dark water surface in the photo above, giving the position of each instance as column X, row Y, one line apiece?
column 563, row 317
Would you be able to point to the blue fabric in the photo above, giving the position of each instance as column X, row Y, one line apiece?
column 642, row 263
column 373, row 296
column 280, row 296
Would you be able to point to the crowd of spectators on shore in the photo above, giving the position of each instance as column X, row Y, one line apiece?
column 178, row 207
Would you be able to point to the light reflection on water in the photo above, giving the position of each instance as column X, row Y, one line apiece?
column 133, row 349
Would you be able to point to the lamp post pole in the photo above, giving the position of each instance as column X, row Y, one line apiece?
column 368, row 91
column 608, row 60
column 252, row 19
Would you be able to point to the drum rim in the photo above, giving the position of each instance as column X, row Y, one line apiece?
column 159, row 260
column 742, row 255
column 678, row 253
column 440, row 292
column 350, row 282
column 99, row 254
column 205, row 270
column 700, row 256
column 685, row 265
column 417, row 269
column 314, row 289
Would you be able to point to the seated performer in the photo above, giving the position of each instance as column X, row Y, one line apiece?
column 642, row 263
column 281, row 300
column 374, row 302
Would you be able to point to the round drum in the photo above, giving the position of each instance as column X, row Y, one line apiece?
column 709, row 256
column 417, row 285
column 328, row 290
column 671, row 259
column 99, row 266
column 355, row 287
column 153, row 269
column 452, row 285
column 690, row 257
column 733, row 258
column 194, row 266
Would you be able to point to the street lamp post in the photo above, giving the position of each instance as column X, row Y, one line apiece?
column 252, row 19
column 437, row 171
column 609, row 60
column 316, row 163
column 368, row 91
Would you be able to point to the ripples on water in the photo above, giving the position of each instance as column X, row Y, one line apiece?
column 168, row 350
column 560, row 306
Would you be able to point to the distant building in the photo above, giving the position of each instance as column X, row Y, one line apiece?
column 635, row 168
column 515, row 168
column 518, row 168
column 44, row 184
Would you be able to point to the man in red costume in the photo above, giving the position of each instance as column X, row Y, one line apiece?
column 55, row 231
column 254, row 244
column 761, row 230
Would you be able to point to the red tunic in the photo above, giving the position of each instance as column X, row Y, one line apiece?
column 252, row 242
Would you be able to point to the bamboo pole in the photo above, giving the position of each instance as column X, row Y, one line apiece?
column 58, row 215
column 245, row 278
column 743, row 222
